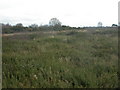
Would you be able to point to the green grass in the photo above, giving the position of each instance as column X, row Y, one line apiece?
column 67, row 60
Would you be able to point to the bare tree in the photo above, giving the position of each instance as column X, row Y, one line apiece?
column 54, row 22
column 100, row 24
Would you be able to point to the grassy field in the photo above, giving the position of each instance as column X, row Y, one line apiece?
column 74, row 59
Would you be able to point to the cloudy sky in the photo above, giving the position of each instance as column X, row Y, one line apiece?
column 69, row 12
column 119, row 13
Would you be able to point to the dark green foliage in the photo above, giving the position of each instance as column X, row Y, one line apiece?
column 6, row 28
column 12, row 29
column 63, row 60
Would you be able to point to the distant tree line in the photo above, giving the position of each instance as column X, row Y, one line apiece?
column 54, row 24
column 7, row 28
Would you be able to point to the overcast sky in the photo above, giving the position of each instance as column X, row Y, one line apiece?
column 69, row 12
column 119, row 13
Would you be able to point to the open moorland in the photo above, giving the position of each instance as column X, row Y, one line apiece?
column 86, row 58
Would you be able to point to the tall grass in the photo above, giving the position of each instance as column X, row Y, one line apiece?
column 67, row 60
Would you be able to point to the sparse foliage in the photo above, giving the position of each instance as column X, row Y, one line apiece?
column 54, row 22
column 100, row 24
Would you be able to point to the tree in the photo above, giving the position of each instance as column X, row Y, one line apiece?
column 33, row 26
column 7, row 28
column 114, row 25
column 99, row 24
column 54, row 22
column 19, row 25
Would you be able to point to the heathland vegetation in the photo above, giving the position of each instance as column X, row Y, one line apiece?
column 64, row 57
